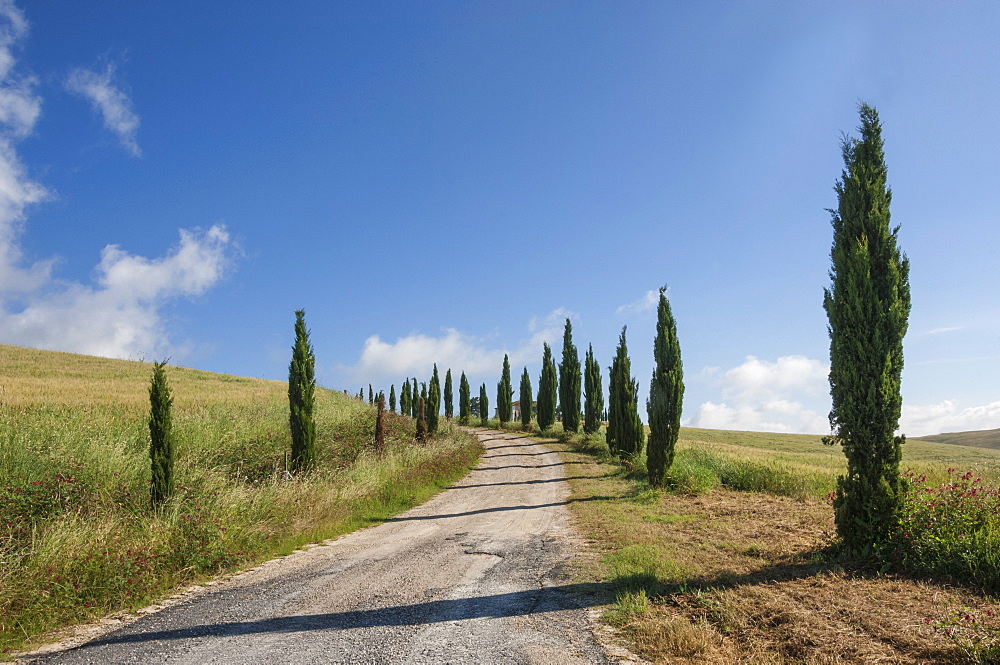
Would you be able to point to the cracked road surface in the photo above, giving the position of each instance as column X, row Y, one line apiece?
column 472, row 576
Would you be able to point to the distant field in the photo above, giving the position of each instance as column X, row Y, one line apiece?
column 805, row 455
column 986, row 438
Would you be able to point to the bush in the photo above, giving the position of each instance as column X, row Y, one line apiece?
column 950, row 529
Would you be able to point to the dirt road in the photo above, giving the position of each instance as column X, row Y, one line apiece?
column 472, row 576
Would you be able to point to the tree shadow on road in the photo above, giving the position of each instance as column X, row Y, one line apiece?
column 519, row 603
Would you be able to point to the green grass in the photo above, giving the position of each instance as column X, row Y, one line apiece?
column 77, row 536
column 989, row 438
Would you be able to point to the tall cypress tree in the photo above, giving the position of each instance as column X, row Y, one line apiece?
column 379, row 423
column 422, row 406
column 463, row 400
column 433, row 402
column 868, row 306
column 666, row 394
column 449, row 396
column 392, row 398
column 371, row 394
column 593, row 410
column 547, row 390
column 504, row 394
column 414, row 398
column 404, row 398
column 421, row 419
column 625, row 431
column 525, row 398
column 484, row 406
column 301, row 389
column 161, row 436
column 569, row 382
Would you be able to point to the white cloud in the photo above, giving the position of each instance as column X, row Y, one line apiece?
column 948, row 416
column 114, row 105
column 758, row 379
column 415, row 354
column 646, row 303
column 773, row 416
column 939, row 331
column 120, row 315
column 764, row 396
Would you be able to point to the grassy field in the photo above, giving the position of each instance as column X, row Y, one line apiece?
column 79, row 539
column 734, row 563
column 989, row 438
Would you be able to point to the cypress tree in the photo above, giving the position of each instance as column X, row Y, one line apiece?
column 414, row 398
column 484, row 406
column 593, row 394
column 301, row 388
column 547, row 390
column 525, row 397
column 421, row 420
column 433, row 402
column 379, row 425
column 504, row 394
column 371, row 395
column 404, row 398
column 392, row 398
column 666, row 394
column 868, row 305
column 625, row 431
column 161, row 436
column 464, row 398
column 449, row 396
column 569, row 382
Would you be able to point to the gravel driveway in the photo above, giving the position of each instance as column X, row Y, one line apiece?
column 472, row 576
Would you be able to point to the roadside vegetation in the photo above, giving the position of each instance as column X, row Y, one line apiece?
column 79, row 539
column 735, row 559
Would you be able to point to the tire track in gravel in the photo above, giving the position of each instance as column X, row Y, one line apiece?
column 471, row 576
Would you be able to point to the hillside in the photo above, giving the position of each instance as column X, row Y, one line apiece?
column 79, row 538
column 986, row 438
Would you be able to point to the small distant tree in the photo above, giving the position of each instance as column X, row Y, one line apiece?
column 414, row 398
column 526, row 398
column 449, row 396
column 569, row 382
column 463, row 400
column 474, row 406
column 421, row 420
column 593, row 394
column 361, row 394
column 301, row 389
column 405, row 407
column 161, row 436
column 868, row 306
column 626, row 434
column 433, row 402
column 547, row 390
column 371, row 395
column 505, row 392
column 484, row 406
column 666, row 394
column 392, row 398
column 379, row 424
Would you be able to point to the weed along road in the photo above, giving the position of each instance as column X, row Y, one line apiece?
column 472, row 576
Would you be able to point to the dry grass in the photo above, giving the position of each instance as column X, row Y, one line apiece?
column 737, row 577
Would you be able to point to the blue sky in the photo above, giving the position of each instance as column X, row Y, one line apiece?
column 447, row 181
